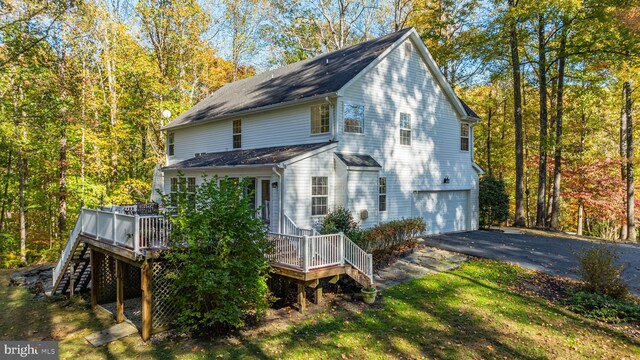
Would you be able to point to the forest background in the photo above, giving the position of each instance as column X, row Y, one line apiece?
column 83, row 85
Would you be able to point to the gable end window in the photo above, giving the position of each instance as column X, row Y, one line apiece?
column 237, row 134
column 170, row 144
column 319, row 195
column 464, row 137
column 405, row 129
column 382, row 194
column 354, row 118
column 320, row 119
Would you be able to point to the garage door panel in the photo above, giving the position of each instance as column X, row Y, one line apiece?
column 442, row 211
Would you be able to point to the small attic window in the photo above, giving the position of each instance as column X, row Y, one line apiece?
column 408, row 48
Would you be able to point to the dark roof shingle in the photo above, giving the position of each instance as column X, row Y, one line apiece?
column 324, row 74
column 358, row 160
column 249, row 157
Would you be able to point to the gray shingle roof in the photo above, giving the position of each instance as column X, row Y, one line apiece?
column 249, row 157
column 324, row 74
column 358, row 160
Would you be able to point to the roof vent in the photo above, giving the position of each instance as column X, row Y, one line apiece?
column 407, row 49
column 327, row 60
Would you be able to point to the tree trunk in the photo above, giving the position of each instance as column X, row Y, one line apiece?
column 62, row 193
column 542, row 163
column 489, row 116
column 631, row 219
column 623, row 165
column 557, row 161
column 517, row 116
column 580, row 218
column 5, row 191
column 19, row 137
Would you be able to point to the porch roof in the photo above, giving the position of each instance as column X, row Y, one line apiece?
column 249, row 157
column 358, row 160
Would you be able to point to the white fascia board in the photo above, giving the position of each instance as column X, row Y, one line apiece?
column 329, row 146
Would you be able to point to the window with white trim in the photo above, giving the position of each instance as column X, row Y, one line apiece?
column 237, row 134
column 353, row 118
column 170, row 144
column 382, row 194
column 320, row 119
column 319, row 195
column 405, row 129
column 464, row 137
column 180, row 184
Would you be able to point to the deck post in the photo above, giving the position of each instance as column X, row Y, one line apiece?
column 97, row 218
column 119, row 291
column 113, row 231
column 305, row 253
column 341, row 248
column 95, row 282
column 302, row 301
column 146, row 300
column 136, row 233
column 317, row 295
column 370, row 256
column 72, row 279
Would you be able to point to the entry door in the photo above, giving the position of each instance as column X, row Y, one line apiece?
column 263, row 198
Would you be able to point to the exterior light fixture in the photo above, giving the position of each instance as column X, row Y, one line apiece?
column 446, row 180
column 274, row 185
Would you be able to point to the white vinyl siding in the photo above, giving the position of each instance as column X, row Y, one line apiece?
column 405, row 85
column 288, row 126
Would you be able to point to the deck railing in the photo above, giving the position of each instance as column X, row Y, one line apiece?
column 312, row 252
column 66, row 253
column 135, row 232
column 290, row 228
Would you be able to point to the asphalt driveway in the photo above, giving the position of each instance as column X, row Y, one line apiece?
column 552, row 255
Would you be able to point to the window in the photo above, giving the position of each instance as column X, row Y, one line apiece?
column 464, row 137
column 191, row 188
column 405, row 129
column 320, row 119
column 382, row 194
column 354, row 118
column 237, row 134
column 180, row 185
column 170, row 144
column 319, row 195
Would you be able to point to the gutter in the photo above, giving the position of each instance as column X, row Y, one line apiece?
column 249, row 111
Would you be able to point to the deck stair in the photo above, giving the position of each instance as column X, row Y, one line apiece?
column 73, row 264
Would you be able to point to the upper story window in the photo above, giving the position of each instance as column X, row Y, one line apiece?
column 237, row 134
column 464, row 137
column 382, row 194
column 405, row 129
column 170, row 144
column 319, row 195
column 354, row 118
column 320, row 119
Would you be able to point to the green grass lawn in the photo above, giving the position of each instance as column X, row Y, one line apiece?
column 467, row 313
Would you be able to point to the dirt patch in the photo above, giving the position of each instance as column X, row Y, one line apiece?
column 548, row 287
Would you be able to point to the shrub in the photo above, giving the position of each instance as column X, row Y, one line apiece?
column 599, row 271
column 494, row 201
column 339, row 220
column 604, row 308
column 385, row 237
column 220, row 276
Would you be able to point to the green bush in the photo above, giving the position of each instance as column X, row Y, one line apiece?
column 220, row 277
column 604, row 308
column 338, row 220
column 600, row 273
column 494, row 201
column 385, row 237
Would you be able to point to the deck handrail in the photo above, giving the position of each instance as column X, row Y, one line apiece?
column 306, row 253
column 136, row 232
column 291, row 228
column 66, row 252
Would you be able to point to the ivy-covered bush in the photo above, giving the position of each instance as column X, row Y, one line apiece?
column 600, row 273
column 604, row 308
column 494, row 202
column 218, row 267
column 338, row 220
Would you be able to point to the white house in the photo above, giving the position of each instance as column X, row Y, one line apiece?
column 373, row 127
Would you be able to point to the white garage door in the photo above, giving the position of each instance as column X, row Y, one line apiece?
column 442, row 211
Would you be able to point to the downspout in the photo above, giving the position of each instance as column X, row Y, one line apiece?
column 280, row 204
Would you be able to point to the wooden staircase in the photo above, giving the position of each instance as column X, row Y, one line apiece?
column 73, row 266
